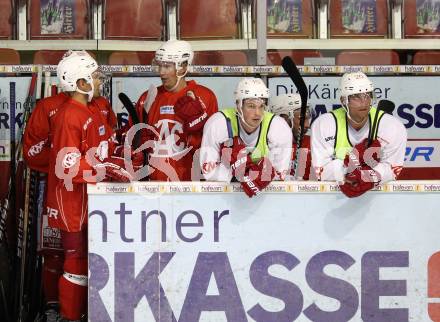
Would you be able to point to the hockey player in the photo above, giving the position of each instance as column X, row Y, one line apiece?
column 288, row 106
column 36, row 149
column 339, row 140
column 246, row 142
column 79, row 155
column 176, row 112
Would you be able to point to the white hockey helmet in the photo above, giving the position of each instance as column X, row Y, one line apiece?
column 175, row 51
column 354, row 83
column 285, row 104
column 251, row 88
column 73, row 66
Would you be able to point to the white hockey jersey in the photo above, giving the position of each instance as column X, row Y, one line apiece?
column 391, row 134
column 215, row 133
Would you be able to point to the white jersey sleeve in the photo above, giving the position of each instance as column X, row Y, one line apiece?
column 280, row 140
column 326, row 167
column 392, row 136
column 215, row 132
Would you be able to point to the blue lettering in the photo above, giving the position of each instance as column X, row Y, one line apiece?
column 281, row 89
column 406, row 115
column 228, row 299
column 437, row 115
column 423, row 151
column 332, row 287
column 424, row 116
column 275, row 287
column 4, row 118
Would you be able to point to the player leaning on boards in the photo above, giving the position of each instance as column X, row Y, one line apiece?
column 335, row 134
column 288, row 106
column 246, row 142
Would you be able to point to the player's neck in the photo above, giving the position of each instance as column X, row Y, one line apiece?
column 79, row 97
column 181, row 84
column 357, row 125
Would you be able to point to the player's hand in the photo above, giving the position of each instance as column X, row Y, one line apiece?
column 359, row 181
column 192, row 112
column 114, row 169
column 235, row 155
column 257, row 177
column 361, row 154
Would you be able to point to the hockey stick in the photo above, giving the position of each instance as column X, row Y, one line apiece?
column 386, row 106
column 25, row 217
column 294, row 74
column 128, row 104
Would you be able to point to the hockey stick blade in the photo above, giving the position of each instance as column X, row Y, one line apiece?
column 294, row 74
column 386, row 106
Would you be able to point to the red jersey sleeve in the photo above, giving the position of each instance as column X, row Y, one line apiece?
column 36, row 139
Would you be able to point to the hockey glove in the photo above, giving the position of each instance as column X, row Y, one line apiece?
column 359, row 181
column 114, row 169
column 361, row 154
column 192, row 112
column 235, row 155
column 263, row 174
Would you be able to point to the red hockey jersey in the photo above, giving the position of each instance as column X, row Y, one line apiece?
column 36, row 140
column 172, row 154
column 77, row 130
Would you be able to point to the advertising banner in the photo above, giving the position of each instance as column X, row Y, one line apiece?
column 200, row 252
column 284, row 16
column 57, row 17
column 359, row 16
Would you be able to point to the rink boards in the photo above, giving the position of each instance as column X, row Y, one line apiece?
column 299, row 252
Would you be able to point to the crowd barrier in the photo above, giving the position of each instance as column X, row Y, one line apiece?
column 300, row 251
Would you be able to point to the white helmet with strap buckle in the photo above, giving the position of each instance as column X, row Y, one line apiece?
column 251, row 88
column 285, row 104
column 175, row 51
column 73, row 66
column 355, row 83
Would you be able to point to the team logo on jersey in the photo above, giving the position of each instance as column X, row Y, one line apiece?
column 70, row 159
column 102, row 150
column 169, row 144
column 167, row 109
column 329, row 138
column 36, row 148
column 89, row 120
column 101, row 130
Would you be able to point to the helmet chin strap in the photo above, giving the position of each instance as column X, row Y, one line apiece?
column 240, row 114
column 178, row 80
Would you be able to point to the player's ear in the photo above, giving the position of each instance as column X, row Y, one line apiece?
column 81, row 84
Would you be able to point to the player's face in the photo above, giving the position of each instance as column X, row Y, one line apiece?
column 98, row 81
column 167, row 73
column 359, row 106
column 253, row 112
